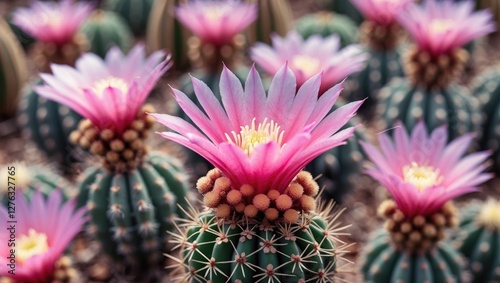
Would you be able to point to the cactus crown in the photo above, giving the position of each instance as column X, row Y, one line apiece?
column 381, row 37
column 417, row 234
column 120, row 152
column 489, row 216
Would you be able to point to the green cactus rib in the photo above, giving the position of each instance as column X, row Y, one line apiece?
column 480, row 246
column 131, row 212
column 135, row 12
column 345, row 7
column 104, row 30
column 380, row 68
column 49, row 125
column 246, row 250
column 384, row 264
column 274, row 16
column 326, row 24
column 487, row 88
column 453, row 106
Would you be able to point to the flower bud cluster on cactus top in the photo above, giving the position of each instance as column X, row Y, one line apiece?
column 421, row 172
column 52, row 22
column 441, row 27
column 308, row 57
column 43, row 231
column 260, row 142
column 216, row 22
column 382, row 12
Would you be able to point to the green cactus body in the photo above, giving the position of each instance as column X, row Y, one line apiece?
column 453, row 105
column 381, row 67
column 166, row 32
column 384, row 264
column 326, row 24
column 339, row 167
column 479, row 242
column 487, row 88
column 48, row 124
column 104, row 30
column 246, row 250
column 12, row 70
column 131, row 212
column 345, row 7
column 135, row 13
column 274, row 16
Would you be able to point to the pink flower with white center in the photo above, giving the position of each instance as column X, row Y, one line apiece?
column 422, row 172
column 441, row 27
column 109, row 92
column 382, row 12
column 258, row 139
column 52, row 22
column 309, row 57
column 43, row 230
column 216, row 22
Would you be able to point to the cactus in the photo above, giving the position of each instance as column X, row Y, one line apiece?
column 12, row 70
column 104, row 30
column 384, row 263
column 486, row 87
column 24, row 39
column 345, row 7
column 478, row 238
column 165, row 32
column 130, row 212
column 408, row 103
column 48, row 124
column 248, row 250
column 275, row 16
column 135, row 12
column 325, row 24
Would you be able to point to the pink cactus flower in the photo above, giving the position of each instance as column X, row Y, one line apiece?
column 421, row 172
column 441, row 27
column 309, row 57
column 216, row 22
column 258, row 139
column 43, row 230
column 382, row 12
column 52, row 22
column 109, row 92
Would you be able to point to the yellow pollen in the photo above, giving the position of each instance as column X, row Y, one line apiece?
column 307, row 64
column 111, row 81
column 421, row 176
column 30, row 245
column 490, row 215
column 439, row 26
column 251, row 136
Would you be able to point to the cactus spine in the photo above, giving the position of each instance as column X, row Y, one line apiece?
column 325, row 24
column 478, row 238
column 135, row 12
column 104, row 30
column 13, row 71
column 275, row 16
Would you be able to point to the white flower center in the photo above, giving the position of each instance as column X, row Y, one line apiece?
column 114, row 82
column 421, row 176
column 214, row 13
column 53, row 19
column 30, row 245
column 439, row 26
column 251, row 136
column 307, row 64
column 490, row 215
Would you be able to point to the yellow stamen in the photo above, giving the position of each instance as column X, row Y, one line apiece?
column 111, row 81
column 439, row 26
column 490, row 215
column 30, row 245
column 251, row 136
column 421, row 176
column 307, row 64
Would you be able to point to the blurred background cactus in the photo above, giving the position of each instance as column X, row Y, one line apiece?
column 344, row 7
column 135, row 12
column 274, row 16
column 325, row 24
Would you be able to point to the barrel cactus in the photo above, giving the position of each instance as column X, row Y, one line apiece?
column 48, row 124
column 486, row 87
column 104, row 30
column 165, row 32
column 325, row 24
column 274, row 16
column 478, row 238
column 345, row 7
column 135, row 12
column 12, row 70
